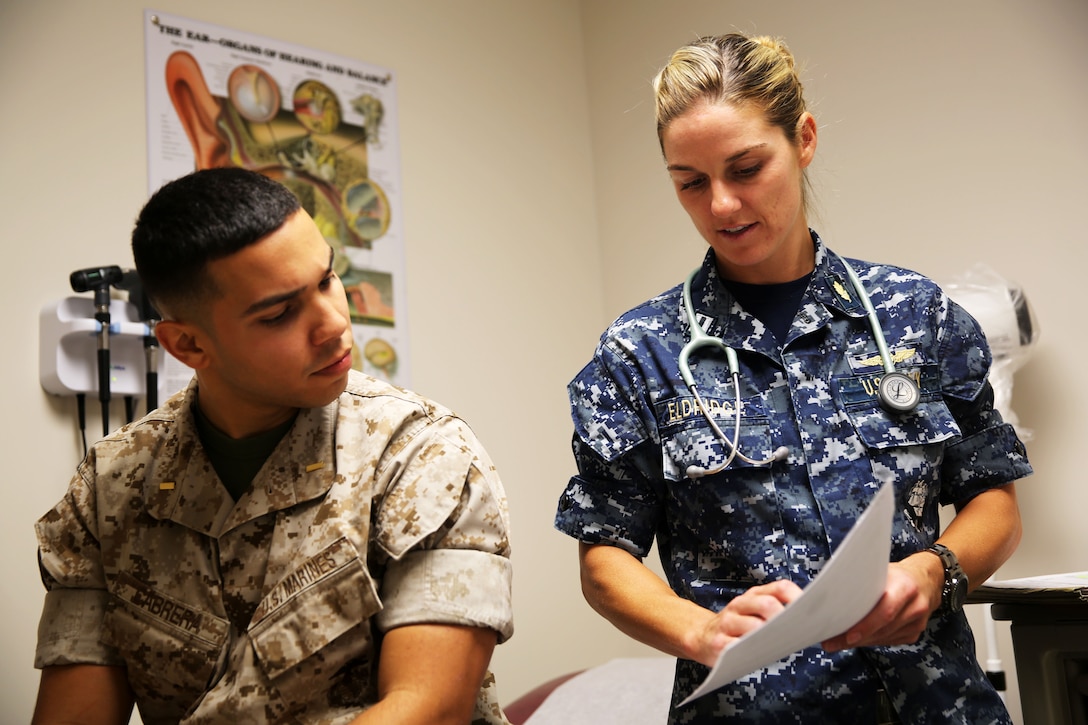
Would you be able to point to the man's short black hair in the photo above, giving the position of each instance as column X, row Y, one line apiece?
column 198, row 218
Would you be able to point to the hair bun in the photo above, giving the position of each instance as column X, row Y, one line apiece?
column 778, row 46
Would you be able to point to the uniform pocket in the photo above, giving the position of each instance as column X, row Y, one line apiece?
column 687, row 439
column 315, row 622
column 726, row 529
column 906, row 447
column 171, row 648
column 930, row 422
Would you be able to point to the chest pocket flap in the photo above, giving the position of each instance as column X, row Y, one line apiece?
column 930, row 422
column 171, row 647
column 324, row 598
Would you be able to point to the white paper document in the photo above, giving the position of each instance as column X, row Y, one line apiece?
column 1070, row 581
column 847, row 588
column 1054, row 588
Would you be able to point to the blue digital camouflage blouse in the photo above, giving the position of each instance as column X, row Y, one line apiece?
column 637, row 429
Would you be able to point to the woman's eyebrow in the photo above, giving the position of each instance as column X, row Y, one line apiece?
column 740, row 154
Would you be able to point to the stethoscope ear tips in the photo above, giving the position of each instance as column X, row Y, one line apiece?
column 780, row 454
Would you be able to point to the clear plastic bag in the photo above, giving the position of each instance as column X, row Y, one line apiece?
column 1002, row 309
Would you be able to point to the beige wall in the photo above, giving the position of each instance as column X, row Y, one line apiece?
column 950, row 133
column 536, row 209
column 502, row 264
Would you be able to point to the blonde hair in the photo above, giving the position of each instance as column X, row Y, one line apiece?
column 732, row 69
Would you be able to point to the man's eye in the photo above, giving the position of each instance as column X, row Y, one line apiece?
column 281, row 317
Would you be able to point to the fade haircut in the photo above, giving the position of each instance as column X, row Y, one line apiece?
column 197, row 219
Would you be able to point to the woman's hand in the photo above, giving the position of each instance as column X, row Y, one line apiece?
column 748, row 612
column 635, row 599
column 983, row 534
column 912, row 593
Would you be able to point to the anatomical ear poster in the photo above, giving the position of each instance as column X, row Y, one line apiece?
column 323, row 125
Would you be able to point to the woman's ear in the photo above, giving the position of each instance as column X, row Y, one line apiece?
column 806, row 139
column 184, row 341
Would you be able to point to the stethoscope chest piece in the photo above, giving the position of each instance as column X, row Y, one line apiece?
column 898, row 392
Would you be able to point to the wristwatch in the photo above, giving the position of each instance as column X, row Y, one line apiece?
column 954, row 592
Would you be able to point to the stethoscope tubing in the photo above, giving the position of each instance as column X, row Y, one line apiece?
column 870, row 313
column 698, row 338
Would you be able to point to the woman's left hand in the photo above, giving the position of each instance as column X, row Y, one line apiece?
column 912, row 593
column 983, row 534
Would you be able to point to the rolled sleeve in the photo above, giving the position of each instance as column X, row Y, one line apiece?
column 611, row 502
column 69, row 557
column 444, row 526
column 449, row 586
column 992, row 457
column 615, row 498
column 988, row 452
column 70, row 628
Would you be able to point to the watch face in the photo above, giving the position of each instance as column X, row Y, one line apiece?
column 958, row 593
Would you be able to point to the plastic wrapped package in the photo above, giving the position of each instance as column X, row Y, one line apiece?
column 1002, row 308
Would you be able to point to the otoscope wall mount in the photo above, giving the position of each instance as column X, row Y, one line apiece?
column 68, row 333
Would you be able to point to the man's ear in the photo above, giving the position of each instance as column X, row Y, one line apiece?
column 185, row 341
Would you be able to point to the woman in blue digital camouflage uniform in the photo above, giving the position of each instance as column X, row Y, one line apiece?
column 737, row 545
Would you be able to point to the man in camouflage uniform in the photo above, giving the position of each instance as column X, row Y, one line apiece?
column 287, row 540
column 638, row 429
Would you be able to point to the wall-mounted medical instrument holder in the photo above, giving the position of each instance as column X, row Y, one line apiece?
column 69, row 342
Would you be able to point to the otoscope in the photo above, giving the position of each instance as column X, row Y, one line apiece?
column 150, row 316
column 100, row 279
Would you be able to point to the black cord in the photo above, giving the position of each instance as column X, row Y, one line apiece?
column 81, row 408
column 104, row 387
column 152, row 391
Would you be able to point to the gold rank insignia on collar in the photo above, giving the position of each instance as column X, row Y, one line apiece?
column 840, row 289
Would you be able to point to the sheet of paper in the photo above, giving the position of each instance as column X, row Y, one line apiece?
column 1070, row 587
column 849, row 585
column 1069, row 581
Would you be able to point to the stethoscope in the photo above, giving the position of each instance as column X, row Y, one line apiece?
column 896, row 391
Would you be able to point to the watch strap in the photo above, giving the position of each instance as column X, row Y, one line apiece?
column 954, row 590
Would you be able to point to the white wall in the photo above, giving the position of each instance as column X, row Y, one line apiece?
column 950, row 133
column 502, row 263
column 536, row 209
